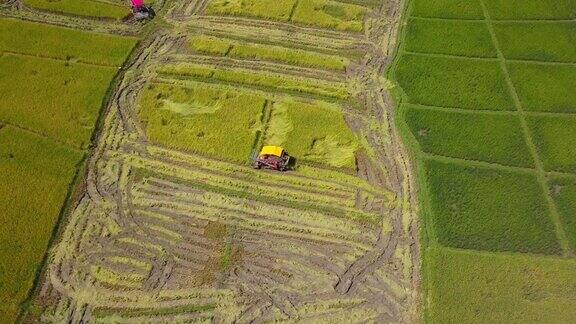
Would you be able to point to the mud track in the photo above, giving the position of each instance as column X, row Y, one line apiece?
column 166, row 236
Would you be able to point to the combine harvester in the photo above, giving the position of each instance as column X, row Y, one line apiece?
column 140, row 11
column 273, row 158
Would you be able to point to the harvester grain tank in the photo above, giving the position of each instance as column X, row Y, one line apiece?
column 273, row 158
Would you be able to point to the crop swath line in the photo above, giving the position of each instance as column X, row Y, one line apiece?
column 224, row 177
column 346, row 190
column 270, row 69
column 265, row 121
column 193, row 7
column 238, row 204
column 469, row 162
column 79, row 62
column 257, row 225
column 289, row 37
column 267, row 92
column 345, row 186
column 314, row 44
column 325, row 204
column 258, row 65
column 281, row 196
column 180, row 191
column 330, row 193
column 540, row 171
column 282, row 26
column 293, row 9
column 260, row 222
column 170, row 79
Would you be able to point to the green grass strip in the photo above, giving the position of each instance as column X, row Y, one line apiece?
column 259, row 79
column 238, row 49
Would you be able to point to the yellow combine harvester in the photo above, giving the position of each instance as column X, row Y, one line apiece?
column 273, row 158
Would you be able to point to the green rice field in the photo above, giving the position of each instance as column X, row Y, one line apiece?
column 450, row 9
column 40, row 170
column 52, row 85
column 238, row 49
column 313, row 133
column 555, row 141
column 487, row 137
column 486, row 104
column 479, row 208
column 319, row 13
column 259, row 80
column 88, row 8
column 63, row 43
column 449, row 82
column 526, row 10
column 564, row 193
column 549, row 42
column 68, row 119
column 544, row 88
column 453, row 37
column 218, row 123
column 477, row 287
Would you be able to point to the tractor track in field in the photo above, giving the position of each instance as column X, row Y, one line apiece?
column 281, row 26
column 148, row 235
column 256, row 65
column 193, row 7
column 286, row 33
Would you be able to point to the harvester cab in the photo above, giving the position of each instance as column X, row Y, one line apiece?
column 273, row 158
column 141, row 11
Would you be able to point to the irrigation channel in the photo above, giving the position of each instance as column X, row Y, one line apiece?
column 159, row 235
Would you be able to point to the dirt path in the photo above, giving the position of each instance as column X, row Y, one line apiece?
column 163, row 236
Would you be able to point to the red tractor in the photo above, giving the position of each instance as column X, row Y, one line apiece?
column 273, row 158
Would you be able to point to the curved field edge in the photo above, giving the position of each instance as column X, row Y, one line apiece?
column 76, row 188
column 412, row 147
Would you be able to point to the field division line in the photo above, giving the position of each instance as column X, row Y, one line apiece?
column 258, row 65
column 476, row 163
column 419, row 106
column 4, row 123
column 492, row 165
column 519, row 21
column 540, row 171
column 80, row 62
column 462, row 110
column 494, row 59
column 451, row 56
